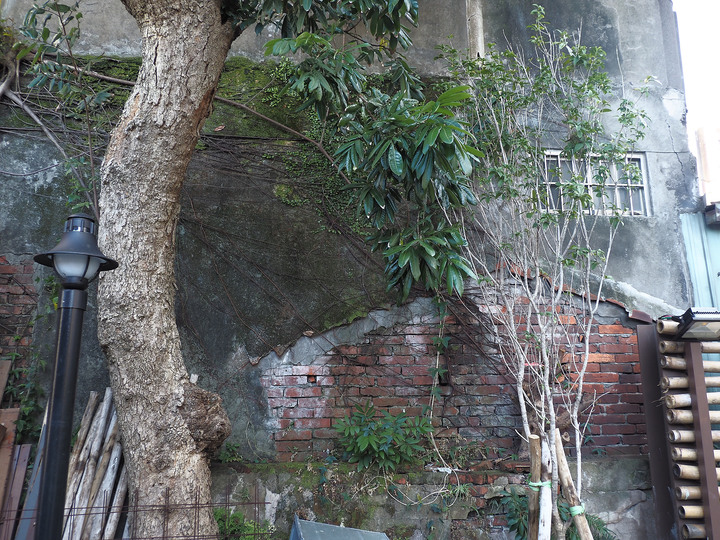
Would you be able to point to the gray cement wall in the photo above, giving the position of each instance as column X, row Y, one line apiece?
column 108, row 29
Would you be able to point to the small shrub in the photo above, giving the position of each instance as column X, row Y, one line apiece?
column 388, row 441
column 234, row 525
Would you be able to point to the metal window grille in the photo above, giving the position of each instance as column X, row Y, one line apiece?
column 615, row 189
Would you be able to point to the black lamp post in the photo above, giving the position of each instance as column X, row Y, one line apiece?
column 77, row 260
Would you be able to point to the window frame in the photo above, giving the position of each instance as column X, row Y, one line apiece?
column 554, row 160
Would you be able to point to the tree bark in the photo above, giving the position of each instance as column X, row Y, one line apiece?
column 167, row 424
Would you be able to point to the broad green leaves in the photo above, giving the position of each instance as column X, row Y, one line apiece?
column 416, row 157
column 383, row 19
column 426, row 254
column 326, row 76
column 388, row 440
column 406, row 158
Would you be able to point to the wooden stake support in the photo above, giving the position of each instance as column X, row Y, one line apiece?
column 568, row 486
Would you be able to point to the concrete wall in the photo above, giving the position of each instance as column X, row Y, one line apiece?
column 108, row 29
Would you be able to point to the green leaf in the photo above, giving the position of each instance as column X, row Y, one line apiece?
column 431, row 138
column 395, row 160
column 415, row 265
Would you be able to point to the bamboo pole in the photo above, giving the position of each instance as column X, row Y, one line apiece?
column 683, row 416
column 534, row 493
column 670, row 383
column 692, row 530
column 568, row 486
column 673, row 347
column 675, row 401
column 689, row 454
column 690, row 472
column 691, row 512
column 679, row 363
column 687, row 436
column 688, row 493
column 667, row 327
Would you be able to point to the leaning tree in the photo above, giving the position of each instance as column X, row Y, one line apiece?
column 168, row 424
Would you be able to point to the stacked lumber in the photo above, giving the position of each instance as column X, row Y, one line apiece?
column 97, row 482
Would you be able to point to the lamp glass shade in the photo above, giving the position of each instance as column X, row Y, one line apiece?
column 703, row 330
column 77, row 258
column 71, row 265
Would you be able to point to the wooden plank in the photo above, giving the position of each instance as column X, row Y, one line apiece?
column 5, row 366
column 26, row 527
column 12, row 500
column 8, row 417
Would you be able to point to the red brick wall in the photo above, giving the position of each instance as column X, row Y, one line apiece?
column 477, row 404
column 18, row 302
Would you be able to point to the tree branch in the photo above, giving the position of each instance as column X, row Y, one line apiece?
column 20, row 103
column 245, row 108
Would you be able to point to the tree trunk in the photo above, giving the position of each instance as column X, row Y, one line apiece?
column 168, row 425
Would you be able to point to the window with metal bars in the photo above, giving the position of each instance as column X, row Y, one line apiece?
column 614, row 188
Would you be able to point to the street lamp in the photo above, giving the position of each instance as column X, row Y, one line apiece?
column 77, row 260
column 699, row 323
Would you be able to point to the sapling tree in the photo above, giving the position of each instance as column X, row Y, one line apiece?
column 553, row 184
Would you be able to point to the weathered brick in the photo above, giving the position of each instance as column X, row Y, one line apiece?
column 310, row 370
column 315, row 402
column 616, row 367
column 311, row 391
column 602, row 377
column 619, row 408
column 615, row 429
column 616, row 348
column 601, row 358
column 398, row 360
column 383, row 371
column 294, row 435
column 415, row 370
column 420, row 339
column 312, row 423
column 288, row 381
column 298, row 413
column 374, row 391
column 325, row 434
column 614, row 329
column 389, row 401
column 281, row 402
